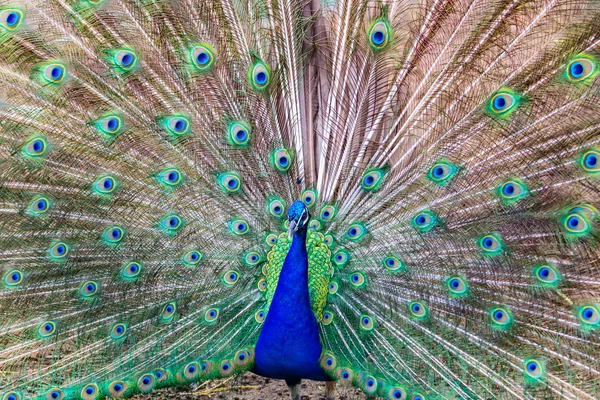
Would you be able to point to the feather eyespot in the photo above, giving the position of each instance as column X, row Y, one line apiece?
column 512, row 191
column 345, row 376
column 105, row 185
column 211, row 315
column 581, row 69
column 328, row 361
column 358, row 280
column 89, row 289
column 36, row 147
column 170, row 177
column 442, row 172
column 203, row 57
column 242, row 357
column 160, row 375
column 329, row 240
column 89, row 392
column 590, row 162
column 491, row 245
column 59, row 251
column 425, row 221
column 259, row 316
column 252, row 259
column 271, row 239
column 262, row 285
column 38, row 206
column 418, row 310
column 47, row 329
column 379, row 33
column 502, row 102
column 340, row 258
column 309, row 197
column 110, row 124
column 118, row 331
column 356, row 232
column 168, row 313
column 12, row 395
column 54, row 72
column 11, row 18
column 547, row 276
column 393, row 264
column 239, row 227
column 333, row 287
column 131, row 271
column 397, row 393
column 372, row 179
column 281, row 160
column 366, row 323
column 327, row 317
column 417, row 396
column 55, row 394
column 191, row 371
column 238, row 133
column 124, row 59
column 501, row 318
column 259, row 76
column 589, row 316
column 328, row 212
column 231, row 277
column 146, row 383
column 192, row 258
column 230, row 182
column 171, row 224
column 457, row 286
column 114, row 235
column 275, row 207
column 13, row 278
column 118, row 389
column 369, row 385
column 176, row 125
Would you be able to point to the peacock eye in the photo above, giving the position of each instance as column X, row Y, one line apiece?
column 379, row 34
column 503, row 103
column 13, row 278
column 333, row 287
column 397, row 393
column 589, row 316
column 281, row 159
column 372, row 179
column 230, row 182
column 512, row 191
column 110, row 124
column 358, row 280
column 259, row 76
column 47, row 329
column 534, row 369
column 418, row 310
column 36, row 147
column 171, row 224
column 54, row 72
column 327, row 317
column 59, row 250
column 125, row 59
column 309, row 197
column 177, row 125
column 425, row 221
column 328, row 212
column 11, row 18
column 366, row 323
column 259, row 316
column 118, row 331
column 239, row 227
column 114, row 235
column 275, row 207
column 170, row 177
column 457, row 286
column 393, row 263
column 442, row 172
column 501, row 317
column 590, row 161
column 491, row 244
column 38, row 206
column 146, row 383
column 238, row 134
column 231, row 277
column 581, row 69
column 203, row 57
column 89, row 289
column 341, row 257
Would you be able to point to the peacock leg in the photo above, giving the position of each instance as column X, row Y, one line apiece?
column 330, row 390
column 295, row 390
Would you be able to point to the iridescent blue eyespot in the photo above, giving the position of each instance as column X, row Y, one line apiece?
column 581, row 68
column 10, row 18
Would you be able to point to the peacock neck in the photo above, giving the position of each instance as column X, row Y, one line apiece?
column 289, row 347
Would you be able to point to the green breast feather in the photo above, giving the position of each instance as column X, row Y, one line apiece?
column 320, row 270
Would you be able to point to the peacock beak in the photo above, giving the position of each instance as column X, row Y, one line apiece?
column 293, row 228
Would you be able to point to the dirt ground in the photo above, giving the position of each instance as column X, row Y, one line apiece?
column 250, row 387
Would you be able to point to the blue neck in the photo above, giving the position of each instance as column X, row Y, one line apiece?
column 288, row 347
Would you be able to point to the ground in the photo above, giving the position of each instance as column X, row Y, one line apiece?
column 250, row 387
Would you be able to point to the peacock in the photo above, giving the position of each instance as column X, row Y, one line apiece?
column 396, row 195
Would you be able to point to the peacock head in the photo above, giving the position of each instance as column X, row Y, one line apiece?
column 298, row 217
